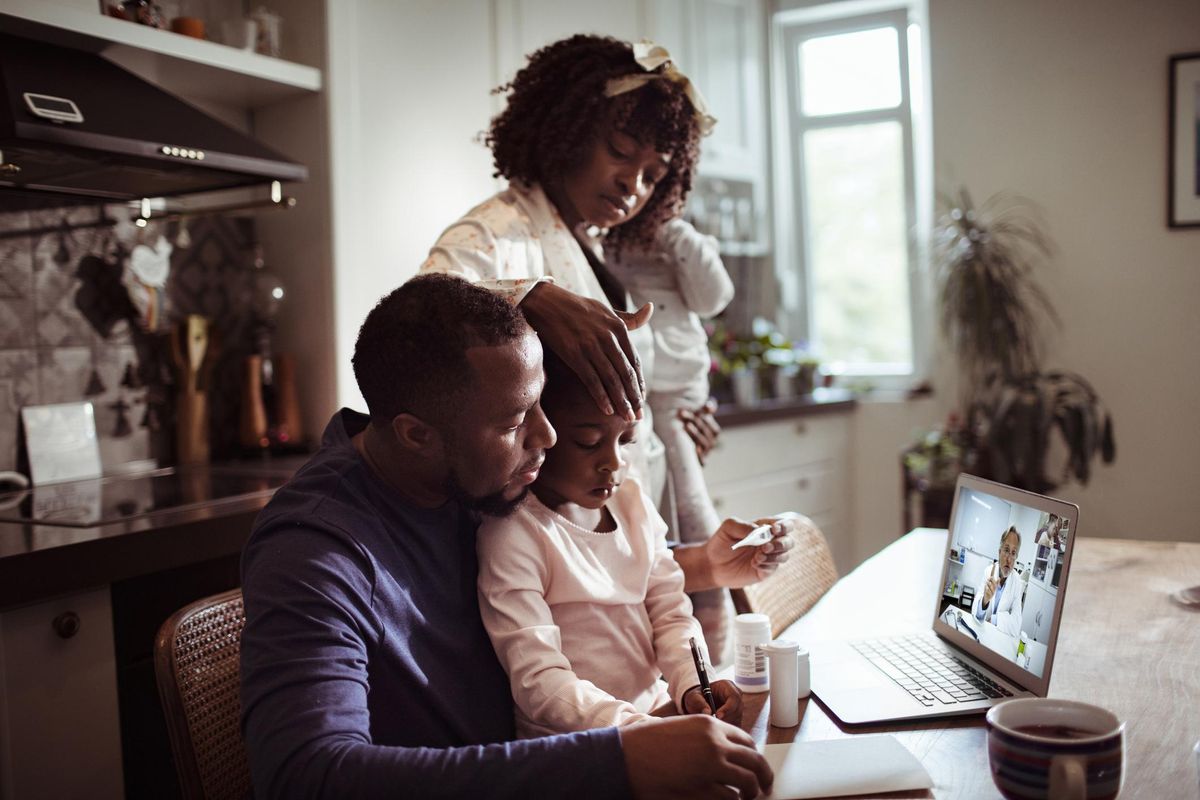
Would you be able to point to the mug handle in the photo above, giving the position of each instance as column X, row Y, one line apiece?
column 12, row 481
column 1068, row 778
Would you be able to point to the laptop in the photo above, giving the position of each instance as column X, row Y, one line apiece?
column 1000, row 590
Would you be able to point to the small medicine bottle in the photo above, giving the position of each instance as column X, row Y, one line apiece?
column 782, row 655
column 750, row 633
column 803, row 675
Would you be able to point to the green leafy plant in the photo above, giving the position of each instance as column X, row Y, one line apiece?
column 1015, row 420
column 992, row 309
column 936, row 458
column 766, row 352
column 994, row 313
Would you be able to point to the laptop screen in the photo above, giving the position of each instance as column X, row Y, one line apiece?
column 1002, row 585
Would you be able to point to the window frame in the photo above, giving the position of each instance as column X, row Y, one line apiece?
column 789, row 29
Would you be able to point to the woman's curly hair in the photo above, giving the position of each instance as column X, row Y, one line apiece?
column 556, row 109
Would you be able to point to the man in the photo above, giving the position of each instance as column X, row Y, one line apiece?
column 366, row 670
column 1000, row 600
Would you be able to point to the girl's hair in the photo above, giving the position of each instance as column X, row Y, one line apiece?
column 556, row 110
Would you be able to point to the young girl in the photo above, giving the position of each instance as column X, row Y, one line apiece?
column 582, row 598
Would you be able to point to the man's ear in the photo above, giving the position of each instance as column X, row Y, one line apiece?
column 414, row 434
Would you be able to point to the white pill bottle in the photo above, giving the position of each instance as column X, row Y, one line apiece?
column 750, row 633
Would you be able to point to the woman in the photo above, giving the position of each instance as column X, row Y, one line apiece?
column 599, row 142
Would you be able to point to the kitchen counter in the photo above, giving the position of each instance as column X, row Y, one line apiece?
column 40, row 561
column 821, row 401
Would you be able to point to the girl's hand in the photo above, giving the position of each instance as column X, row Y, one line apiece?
column 702, row 426
column 593, row 340
column 728, row 697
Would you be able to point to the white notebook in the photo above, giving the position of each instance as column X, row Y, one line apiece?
column 837, row 767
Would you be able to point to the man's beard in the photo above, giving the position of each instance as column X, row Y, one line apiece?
column 494, row 504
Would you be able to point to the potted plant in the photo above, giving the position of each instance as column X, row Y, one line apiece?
column 993, row 314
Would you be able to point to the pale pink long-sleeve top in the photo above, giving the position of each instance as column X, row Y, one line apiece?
column 585, row 623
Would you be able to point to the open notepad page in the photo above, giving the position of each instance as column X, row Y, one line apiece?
column 838, row 767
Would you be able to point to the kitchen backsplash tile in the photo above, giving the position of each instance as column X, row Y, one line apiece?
column 18, row 387
column 55, row 258
column 51, row 353
column 16, row 293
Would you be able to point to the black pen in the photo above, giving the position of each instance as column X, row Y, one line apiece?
column 705, row 688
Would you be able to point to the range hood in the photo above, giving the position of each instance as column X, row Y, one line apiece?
column 74, row 125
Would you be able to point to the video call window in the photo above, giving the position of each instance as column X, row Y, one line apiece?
column 1002, row 582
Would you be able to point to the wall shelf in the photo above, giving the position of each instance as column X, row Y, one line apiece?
column 195, row 68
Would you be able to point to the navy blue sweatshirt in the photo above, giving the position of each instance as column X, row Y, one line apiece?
column 366, row 671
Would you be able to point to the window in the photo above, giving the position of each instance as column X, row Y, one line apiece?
column 853, row 185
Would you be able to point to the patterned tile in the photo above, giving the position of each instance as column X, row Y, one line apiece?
column 63, row 374
column 14, row 221
column 48, row 350
column 134, row 445
column 55, row 258
column 16, row 293
column 18, row 387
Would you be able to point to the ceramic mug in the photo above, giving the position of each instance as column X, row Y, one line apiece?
column 1044, row 747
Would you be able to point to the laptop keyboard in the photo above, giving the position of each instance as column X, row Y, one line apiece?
column 929, row 673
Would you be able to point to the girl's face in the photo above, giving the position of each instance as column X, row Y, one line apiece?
column 588, row 462
column 614, row 183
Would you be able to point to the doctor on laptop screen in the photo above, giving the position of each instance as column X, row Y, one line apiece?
column 1000, row 601
column 1002, row 585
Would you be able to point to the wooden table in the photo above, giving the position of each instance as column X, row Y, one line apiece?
column 1123, row 644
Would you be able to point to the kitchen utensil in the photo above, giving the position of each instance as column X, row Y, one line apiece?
column 193, row 352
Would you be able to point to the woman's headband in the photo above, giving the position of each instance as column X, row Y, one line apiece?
column 651, row 56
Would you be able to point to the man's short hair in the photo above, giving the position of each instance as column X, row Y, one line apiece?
column 1014, row 532
column 411, row 353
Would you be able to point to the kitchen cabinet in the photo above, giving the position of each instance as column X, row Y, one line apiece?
column 79, row 609
column 59, row 724
column 721, row 45
column 523, row 26
column 797, row 465
column 1037, row 610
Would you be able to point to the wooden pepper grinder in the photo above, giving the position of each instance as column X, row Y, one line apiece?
column 193, row 349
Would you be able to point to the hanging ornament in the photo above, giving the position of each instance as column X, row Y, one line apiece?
column 148, row 420
column 62, row 256
column 183, row 239
column 95, row 386
column 145, row 279
column 122, row 428
column 131, row 379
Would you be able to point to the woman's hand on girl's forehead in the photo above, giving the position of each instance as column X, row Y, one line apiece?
column 593, row 340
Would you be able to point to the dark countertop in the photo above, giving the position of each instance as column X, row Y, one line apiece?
column 39, row 561
column 821, row 401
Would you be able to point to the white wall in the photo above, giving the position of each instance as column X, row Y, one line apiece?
column 410, row 88
column 1066, row 103
column 881, row 430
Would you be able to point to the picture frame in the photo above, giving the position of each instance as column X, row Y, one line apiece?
column 1183, row 169
column 60, row 441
